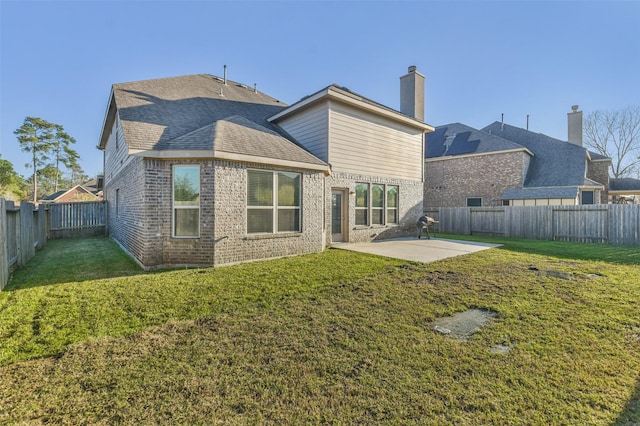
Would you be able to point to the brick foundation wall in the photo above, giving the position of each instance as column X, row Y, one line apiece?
column 449, row 182
column 409, row 207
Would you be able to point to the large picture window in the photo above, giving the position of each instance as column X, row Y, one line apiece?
column 273, row 201
column 186, row 201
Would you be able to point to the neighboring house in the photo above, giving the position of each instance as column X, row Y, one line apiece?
column 203, row 171
column 506, row 165
column 77, row 193
column 95, row 186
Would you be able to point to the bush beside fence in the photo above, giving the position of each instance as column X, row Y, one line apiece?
column 604, row 223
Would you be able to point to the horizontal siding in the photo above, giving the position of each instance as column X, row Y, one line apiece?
column 310, row 129
column 362, row 143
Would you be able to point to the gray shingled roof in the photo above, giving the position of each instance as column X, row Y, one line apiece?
column 459, row 139
column 624, row 184
column 555, row 163
column 200, row 112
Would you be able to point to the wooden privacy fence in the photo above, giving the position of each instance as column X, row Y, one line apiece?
column 604, row 223
column 81, row 219
column 27, row 227
column 23, row 229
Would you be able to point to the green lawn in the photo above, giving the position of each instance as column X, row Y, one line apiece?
column 341, row 337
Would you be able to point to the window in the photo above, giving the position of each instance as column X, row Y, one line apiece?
column 474, row 202
column 377, row 204
column 392, row 204
column 362, row 203
column 117, row 203
column 587, row 197
column 186, row 201
column 273, row 202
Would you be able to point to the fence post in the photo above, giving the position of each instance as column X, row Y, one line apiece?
column 26, row 232
column 4, row 256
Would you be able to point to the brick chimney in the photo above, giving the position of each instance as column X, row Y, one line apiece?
column 574, row 126
column 412, row 94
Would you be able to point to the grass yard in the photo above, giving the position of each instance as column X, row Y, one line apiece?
column 337, row 337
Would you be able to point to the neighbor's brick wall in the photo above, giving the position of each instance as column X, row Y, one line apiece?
column 233, row 244
column 599, row 171
column 409, row 207
column 449, row 182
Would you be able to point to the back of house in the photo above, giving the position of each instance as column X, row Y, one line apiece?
column 201, row 170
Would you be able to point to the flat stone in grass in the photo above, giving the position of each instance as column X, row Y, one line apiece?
column 463, row 325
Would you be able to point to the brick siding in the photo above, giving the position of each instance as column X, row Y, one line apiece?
column 409, row 207
column 449, row 182
column 599, row 171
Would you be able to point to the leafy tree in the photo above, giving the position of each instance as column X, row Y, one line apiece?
column 616, row 134
column 11, row 183
column 78, row 176
column 35, row 137
column 46, row 141
column 63, row 154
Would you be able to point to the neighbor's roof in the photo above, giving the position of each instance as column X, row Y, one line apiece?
column 458, row 139
column 555, row 163
column 200, row 113
column 624, row 184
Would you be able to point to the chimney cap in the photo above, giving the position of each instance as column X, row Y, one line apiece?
column 413, row 68
column 574, row 108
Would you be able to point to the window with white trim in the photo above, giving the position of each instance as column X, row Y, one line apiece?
column 362, row 203
column 474, row 202
column 186, row 201
column 273, row 202
column 587, row 197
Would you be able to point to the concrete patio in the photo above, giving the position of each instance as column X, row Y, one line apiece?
column 422, row 250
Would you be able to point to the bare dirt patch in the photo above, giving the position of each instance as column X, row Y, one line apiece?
column 463, row 325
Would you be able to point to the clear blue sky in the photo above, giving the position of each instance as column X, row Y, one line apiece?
column 481, row 59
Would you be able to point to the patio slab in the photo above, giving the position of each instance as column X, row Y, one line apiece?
column 418, row 250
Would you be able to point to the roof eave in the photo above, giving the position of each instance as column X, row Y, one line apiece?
column 333, row 93
column 229, row 156
column 477, row 154
column 107, row 123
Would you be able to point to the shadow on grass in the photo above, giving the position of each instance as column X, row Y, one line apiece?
column 74, row 260
column 631, row 414
column 617, row 254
